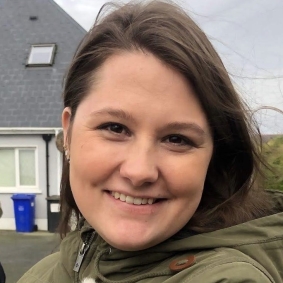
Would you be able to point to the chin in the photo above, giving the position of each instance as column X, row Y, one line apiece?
column 130, row 246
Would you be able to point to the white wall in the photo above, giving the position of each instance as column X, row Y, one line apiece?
column 7, row 221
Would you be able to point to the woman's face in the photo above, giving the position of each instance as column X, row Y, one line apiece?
column 139, row 149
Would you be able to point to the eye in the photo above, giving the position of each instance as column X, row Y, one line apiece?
column 179, row 140
column 115, row 128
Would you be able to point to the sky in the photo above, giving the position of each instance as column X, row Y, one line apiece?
column 247, row 35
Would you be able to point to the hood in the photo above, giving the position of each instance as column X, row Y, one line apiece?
column 261, row 239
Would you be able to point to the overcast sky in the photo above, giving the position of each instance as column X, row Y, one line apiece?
column 248, row 36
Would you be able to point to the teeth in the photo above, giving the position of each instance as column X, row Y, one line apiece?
column 122, row 197
column 137, row 201
column 144, row 201
column 131, row 200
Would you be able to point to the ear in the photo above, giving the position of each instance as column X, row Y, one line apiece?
column 66, row 123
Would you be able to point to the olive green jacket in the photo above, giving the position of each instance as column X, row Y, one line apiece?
column 251, row 252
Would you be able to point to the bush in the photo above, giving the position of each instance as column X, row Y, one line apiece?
column 273, row 153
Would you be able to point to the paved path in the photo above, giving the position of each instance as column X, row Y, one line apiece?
column 20, row 251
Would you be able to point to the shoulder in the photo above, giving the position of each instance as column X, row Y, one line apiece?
column 45, row 270
column 229, row 272
column 223, row 266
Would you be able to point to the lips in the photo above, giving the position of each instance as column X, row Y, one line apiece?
column 133, row 200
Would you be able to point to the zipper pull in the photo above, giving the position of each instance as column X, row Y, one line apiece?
column 80, row 257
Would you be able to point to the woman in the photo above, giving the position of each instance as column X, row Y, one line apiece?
column 161, row 168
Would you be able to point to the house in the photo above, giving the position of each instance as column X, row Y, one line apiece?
column 37, row 42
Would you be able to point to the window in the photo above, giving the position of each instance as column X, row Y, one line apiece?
column 18, row 168
column 41, row 55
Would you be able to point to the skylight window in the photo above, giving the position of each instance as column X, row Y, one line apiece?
column 41, row 55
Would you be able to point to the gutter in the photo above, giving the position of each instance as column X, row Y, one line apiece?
column 29, row 131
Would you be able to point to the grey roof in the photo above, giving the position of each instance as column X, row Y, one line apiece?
column 31, row 96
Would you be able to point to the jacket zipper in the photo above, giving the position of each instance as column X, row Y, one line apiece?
column 82, row 252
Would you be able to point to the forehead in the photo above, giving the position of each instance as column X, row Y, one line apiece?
column 137, row 67
column 139, row 81
column 140, row 71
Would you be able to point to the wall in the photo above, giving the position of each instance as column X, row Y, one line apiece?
column 7, row 222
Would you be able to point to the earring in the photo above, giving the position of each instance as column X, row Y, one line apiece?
column 67, row 156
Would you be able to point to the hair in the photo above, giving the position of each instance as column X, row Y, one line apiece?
column 231, row 194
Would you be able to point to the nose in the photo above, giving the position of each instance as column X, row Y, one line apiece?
column 139, row 167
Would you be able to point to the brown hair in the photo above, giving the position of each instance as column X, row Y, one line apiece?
column 230, row 194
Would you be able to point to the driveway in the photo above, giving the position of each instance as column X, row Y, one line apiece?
column 20, row 251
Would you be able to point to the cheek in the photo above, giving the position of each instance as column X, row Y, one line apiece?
column 187, row 177
column 88, row 171
column 91, row 164
column 85, row 151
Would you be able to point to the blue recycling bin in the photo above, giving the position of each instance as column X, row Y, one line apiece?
column 24, row 208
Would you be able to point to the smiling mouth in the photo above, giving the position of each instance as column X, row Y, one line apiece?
column 133, row 200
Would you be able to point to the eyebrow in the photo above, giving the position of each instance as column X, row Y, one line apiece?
column 117, row 113
column 174, row 126
column 179, row 126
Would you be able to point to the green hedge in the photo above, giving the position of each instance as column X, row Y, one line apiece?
column 273, row 152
